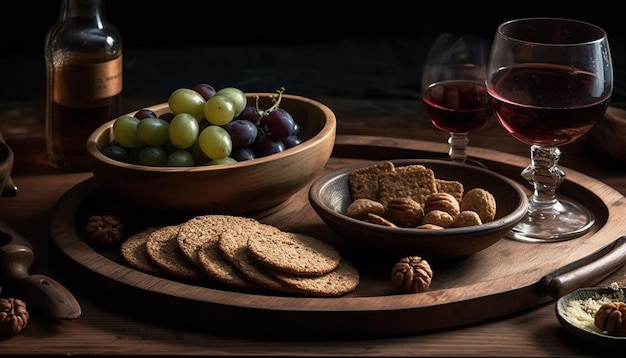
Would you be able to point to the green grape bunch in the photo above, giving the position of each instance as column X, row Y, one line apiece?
column 203, row 126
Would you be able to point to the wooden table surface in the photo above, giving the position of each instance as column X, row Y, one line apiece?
column 102, row 331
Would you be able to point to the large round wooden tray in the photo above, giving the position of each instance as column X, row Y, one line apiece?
column 506, row 278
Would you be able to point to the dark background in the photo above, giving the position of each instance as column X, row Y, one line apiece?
column 316, row 48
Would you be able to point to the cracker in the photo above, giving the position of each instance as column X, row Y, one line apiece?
column 162, row 248
column 215, row 265
column 201, row 229
column 294, row 253
column 133, row 251
column 363, row 182
column 453, row 187
column 414, row 181
column 345, row 278
column 233, row 244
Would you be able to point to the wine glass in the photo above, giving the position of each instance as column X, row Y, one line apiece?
column 550, row 80
column 453, row 88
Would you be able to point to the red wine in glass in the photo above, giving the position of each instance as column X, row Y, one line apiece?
column 529, row 102
column 457, row 106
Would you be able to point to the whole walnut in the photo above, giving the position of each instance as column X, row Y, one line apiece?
column 411, row 274
column 13, row 316
column 103, row 231
column 611, row 318
column 404, row 212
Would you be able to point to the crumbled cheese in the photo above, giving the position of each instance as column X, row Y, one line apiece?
column 581, row 313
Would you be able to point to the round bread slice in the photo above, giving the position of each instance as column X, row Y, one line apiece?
column 215, row 265
column 162, row 248
column 234, row 246
column 294, row 253
column 345, row 278
column 201, row 229
column 133, row 251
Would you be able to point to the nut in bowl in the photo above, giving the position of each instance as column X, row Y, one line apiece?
column 332, row 195
column 253, row 187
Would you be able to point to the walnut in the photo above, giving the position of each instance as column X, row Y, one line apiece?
column 611, row 318
column 103, row 231
column 482, row 202
column 377, row 219
column 439, row 218
column 13, row 316
column 444, row 202
column 467, row 218
column 429, row 227
column 404, row 212
column 359, row 208
column 411, row 274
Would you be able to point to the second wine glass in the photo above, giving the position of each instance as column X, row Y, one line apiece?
column 453, row 88
column 551, row 80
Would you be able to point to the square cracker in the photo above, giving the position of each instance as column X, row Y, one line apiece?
column 363, row 182
column 453, row 187
column 414, row 181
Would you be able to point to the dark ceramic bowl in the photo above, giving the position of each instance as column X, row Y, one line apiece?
column 330, row 196
column 580, row 324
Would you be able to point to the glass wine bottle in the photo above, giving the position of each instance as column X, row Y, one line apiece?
column 83, row 56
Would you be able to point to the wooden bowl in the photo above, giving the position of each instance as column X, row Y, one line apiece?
column 255, row 187
column 330, row 196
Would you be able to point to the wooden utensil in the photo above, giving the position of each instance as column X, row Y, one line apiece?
column 39, row 291
column 585, row 271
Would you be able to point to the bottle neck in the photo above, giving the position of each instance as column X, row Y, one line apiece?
column 83, row 10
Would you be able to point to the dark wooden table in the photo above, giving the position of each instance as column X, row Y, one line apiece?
column 104, row 331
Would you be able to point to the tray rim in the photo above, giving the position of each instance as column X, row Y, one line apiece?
column 395, row 306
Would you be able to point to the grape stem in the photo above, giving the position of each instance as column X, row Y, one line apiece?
column 275, row 100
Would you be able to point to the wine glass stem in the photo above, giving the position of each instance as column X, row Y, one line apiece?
column 545, row 176
column 458, row 142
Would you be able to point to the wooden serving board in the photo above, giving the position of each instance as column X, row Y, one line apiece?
column 506, row 278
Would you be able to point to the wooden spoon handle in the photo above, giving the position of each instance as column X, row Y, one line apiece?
column 49, row 297
column 586, row 271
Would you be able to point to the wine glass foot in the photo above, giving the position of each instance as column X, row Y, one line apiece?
column 568, row 220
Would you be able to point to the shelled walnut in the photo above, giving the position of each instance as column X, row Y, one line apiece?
column 411, row 274
column 103, row 231
column 13, row 316
column 611, row 318
column 404, row 212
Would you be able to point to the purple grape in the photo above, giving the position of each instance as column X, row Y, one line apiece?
column 291, row 140
column 206, row 90
column 280, row 123
column 242, row 154
column 267, row 144
column 250, row 113
column 116, row 152
column 242, row 132
column 167, row 116
column 296, row 129
column 144, row 113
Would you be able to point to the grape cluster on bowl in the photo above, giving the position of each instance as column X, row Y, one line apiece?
column 203, row 127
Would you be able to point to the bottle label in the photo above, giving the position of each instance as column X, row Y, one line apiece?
column 78, row 85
